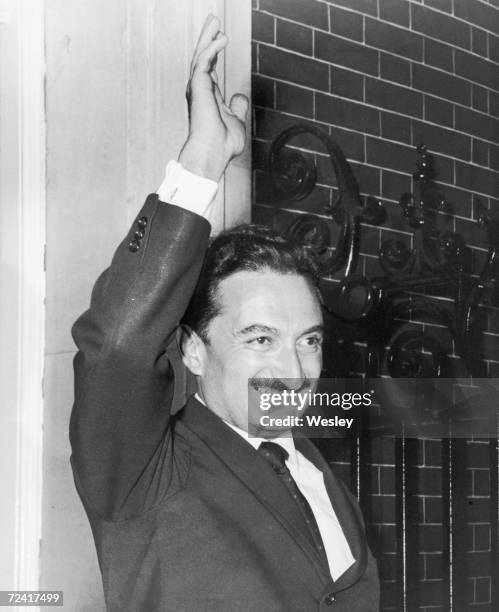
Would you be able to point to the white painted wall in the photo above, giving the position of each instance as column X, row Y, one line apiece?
column 116, row 72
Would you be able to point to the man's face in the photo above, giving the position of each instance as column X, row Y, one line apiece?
column 270, row 326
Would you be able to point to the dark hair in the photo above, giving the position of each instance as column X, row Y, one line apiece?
column 248, row 247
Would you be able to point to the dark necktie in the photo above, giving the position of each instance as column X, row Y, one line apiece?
column 276, row 455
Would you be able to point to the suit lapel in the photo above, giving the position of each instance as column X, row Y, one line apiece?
column 346, row 512
column 254, row 471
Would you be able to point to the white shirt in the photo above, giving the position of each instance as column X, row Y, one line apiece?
column 196, row 194
column 310, row 481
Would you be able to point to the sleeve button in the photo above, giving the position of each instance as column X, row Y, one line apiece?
column 139, row 234
column 133, row 246
column 142, row 222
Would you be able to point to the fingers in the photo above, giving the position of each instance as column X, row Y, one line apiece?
column 206, row 59
column 208, row 32
column 220, row 99
column 239, row 105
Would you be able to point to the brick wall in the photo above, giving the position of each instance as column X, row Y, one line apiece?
column 381, row 77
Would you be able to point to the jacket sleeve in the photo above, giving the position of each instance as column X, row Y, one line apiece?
column 124, row 371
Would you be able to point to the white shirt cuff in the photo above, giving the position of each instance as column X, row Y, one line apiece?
column 187, row 190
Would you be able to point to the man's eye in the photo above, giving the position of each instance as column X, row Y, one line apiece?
column 261, row 340
column 312, row 342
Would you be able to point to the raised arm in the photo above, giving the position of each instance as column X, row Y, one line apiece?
column 127, row 369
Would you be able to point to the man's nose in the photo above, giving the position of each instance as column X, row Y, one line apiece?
column 289, row 367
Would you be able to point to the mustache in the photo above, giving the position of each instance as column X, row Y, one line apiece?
column 277, row 385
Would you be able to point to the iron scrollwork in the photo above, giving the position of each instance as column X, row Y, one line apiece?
column 382, row 310
column 431, row 249
column 294, row 177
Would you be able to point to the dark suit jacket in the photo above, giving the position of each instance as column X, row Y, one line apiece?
column 186, row 515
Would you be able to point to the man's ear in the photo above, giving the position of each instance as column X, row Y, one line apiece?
column 193, row 350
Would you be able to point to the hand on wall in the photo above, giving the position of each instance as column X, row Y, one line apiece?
column 217, row 131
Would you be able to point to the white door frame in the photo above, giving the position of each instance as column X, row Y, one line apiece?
column 22, row 310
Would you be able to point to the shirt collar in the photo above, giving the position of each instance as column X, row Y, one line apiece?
column 286, row 442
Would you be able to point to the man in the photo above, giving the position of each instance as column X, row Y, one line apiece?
column 188, row 512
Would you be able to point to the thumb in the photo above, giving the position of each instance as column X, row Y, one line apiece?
column 239, row 105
